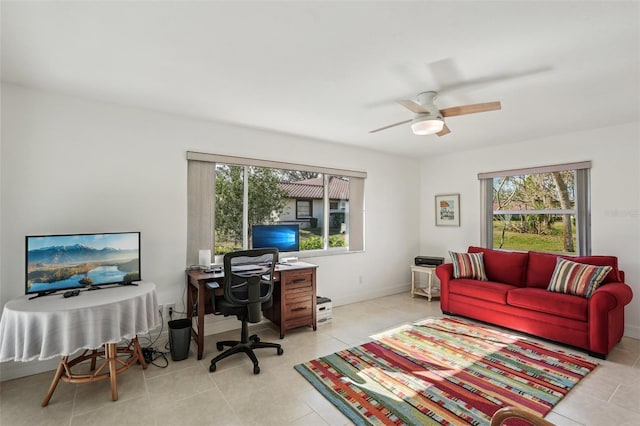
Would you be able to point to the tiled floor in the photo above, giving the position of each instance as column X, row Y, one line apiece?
column 185, row 393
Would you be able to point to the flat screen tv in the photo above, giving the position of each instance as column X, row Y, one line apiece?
column 61, row 262
column 284, row 237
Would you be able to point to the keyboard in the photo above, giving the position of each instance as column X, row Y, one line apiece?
column 246, row 268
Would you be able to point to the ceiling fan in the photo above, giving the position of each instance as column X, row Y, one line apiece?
column 429, row 119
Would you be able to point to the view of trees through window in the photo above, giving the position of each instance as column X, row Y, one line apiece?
column 535, row 212
column 272, row 196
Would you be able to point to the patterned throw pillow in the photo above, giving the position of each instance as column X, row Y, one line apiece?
column 577, row 278
column 468, row 265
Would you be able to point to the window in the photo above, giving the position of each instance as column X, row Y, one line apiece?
column 539, row 209
column 303, row 209
column 228, row 195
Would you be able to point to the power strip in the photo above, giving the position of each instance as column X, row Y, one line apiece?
column 147, row 353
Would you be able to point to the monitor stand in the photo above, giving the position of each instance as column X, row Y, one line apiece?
column 43, row 293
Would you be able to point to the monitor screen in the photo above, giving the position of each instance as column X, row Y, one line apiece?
column 284, row 237
column 59, row 262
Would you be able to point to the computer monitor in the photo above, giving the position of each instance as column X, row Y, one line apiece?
column 284, row 237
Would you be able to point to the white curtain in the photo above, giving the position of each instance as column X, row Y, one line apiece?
column 201, row 207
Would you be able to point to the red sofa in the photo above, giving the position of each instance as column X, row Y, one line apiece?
column 516, row 297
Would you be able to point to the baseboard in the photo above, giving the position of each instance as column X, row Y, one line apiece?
column 14, row 370
column 632, row 331
column 361, row 296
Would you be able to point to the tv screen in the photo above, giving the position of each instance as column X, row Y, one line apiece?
column 60, row 262
column 284, row 237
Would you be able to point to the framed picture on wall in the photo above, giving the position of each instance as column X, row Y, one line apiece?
column 448, row 210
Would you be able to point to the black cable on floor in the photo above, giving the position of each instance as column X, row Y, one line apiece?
column 152, row 354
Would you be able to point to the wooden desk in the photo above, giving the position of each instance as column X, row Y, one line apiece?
column 294, row 298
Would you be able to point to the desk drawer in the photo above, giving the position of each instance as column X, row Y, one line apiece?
column 299, row 310
column 294, row 299
column 298, row 287
column 299, row 322
column 297, row 279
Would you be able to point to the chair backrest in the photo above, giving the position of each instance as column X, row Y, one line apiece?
column 248, row 279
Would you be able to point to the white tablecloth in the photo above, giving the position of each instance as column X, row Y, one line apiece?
column 52, row 326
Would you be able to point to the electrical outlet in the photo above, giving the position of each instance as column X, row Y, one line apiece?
column 167, row 307
column 161, row 310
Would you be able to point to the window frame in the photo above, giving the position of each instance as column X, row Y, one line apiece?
column 581, row 211
column 201, row 202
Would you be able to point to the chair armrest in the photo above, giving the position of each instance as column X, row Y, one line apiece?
column 500, row 416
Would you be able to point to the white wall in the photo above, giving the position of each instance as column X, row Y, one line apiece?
column 615, row 194
column 72, row 165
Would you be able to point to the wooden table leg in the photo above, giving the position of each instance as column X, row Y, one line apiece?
column 56, row 379
column 109, row 369
column 201, row 311
column 137, row 350
column 111, row 354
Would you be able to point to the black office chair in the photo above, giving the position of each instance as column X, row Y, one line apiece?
column 248, row 290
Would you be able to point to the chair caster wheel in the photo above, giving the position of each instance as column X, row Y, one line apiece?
column 219, row 346
column 212, row 368
column 254, row 337
column 280, row 351
column 256, row 369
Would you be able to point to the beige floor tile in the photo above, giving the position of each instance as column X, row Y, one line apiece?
column 628, row 397
column 206, row 408
column 559, row 420
column 135, row 411
column 329, row 413
column 311, row 419
column 179, row 384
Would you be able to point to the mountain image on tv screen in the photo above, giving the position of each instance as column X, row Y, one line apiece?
column 56, row 262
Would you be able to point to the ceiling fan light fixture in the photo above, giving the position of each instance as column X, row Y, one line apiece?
column 427, row 126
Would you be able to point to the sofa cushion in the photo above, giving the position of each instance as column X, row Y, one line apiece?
column 484, row 290
column 576, row 278
column 468, row 265
column 507, row 267
column 558, row 304
column 541, row 266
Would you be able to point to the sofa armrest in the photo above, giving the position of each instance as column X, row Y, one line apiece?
column 444, row 273
column 606, row 316
column 610, row 295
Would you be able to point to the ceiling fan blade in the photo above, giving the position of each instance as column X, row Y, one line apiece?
column 448, row 77
column 445, row 130
column 391, row 125
column 412, row 106
column 470, row 109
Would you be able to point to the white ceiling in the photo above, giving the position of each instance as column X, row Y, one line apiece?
column 332, row 70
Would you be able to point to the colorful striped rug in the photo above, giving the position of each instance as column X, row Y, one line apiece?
column 443, row 371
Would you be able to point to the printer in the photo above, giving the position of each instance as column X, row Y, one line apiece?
column 429, row 261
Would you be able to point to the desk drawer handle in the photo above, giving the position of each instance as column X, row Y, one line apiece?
column 303, row 308
column 299, row 280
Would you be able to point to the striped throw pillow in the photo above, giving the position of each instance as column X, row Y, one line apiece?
column 577, row 278
column 468, row 265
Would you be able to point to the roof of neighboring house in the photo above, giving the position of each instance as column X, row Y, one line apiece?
column 312, row 188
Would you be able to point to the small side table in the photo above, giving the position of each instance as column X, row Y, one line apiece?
column 429, row 291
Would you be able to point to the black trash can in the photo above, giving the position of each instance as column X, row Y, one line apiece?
column 179, row 338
